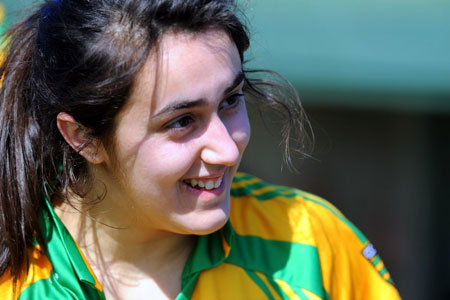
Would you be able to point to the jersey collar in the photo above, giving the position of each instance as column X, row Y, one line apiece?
column 67, row 259
column 210, row 251
column 62, row 250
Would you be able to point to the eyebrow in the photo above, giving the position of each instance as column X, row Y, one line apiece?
column 185, row 104
column 236, row 82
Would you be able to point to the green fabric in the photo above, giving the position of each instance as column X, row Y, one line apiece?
column 70, row 277
column 376, row 260
column 249, row 189
column 208, row 252
column 56, row 288
column 188, row 287
column 65, row 241
column 296, row 264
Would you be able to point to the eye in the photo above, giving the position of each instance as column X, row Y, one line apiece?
column 232, row 101
column 180, row 122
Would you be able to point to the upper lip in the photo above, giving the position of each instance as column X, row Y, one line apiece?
column 207, row 177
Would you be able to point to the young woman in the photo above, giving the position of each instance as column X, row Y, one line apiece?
column 123, row 123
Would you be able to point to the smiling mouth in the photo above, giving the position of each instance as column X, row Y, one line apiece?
column 204, row 184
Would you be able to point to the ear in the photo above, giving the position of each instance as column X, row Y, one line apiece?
column 79, row 139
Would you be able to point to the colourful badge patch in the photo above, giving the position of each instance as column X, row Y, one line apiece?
column 370, row 253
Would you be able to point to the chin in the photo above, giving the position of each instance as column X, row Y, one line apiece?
column 207, row 222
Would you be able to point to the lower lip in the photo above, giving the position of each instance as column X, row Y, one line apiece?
column 207, row 195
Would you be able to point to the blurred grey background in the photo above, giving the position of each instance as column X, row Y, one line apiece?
column 374, row 79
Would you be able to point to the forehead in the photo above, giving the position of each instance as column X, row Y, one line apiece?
column 187, row 66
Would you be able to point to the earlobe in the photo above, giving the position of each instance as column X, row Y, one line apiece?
column 78, row 137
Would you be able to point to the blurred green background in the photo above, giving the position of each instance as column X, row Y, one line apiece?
column 374, row 78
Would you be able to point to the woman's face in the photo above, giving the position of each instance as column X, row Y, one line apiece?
column 180, row 137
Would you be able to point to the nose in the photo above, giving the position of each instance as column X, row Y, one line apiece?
column 219, row 146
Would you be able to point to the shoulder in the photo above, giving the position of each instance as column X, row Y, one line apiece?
column 39, row 269
column 282, row 213
column 40, row 280
column 347, row 262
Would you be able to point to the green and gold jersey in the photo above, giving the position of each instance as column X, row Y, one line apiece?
column 280, row 243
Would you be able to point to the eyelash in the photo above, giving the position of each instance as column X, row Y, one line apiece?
column 172, row 125
column 186, row 117
column 237, row 97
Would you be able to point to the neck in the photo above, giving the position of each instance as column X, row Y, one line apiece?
column 127, row 257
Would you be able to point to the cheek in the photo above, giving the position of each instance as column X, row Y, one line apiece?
column 174, row 158
column 165, row 159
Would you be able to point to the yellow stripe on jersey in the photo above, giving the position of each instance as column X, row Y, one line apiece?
column 39, row 268
column 269, row 285
column 241, row 179
column 310, row 295
column 226, row 247
column 287, row 290
column 97, row 285
column 250, row 216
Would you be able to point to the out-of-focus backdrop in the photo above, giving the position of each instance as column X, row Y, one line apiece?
column 374, row 78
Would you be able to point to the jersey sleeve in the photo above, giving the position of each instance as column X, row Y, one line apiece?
column 351, row 267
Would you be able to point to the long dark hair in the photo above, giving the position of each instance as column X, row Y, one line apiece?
column 81, row 57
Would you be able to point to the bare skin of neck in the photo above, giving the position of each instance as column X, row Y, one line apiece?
column 127, row 265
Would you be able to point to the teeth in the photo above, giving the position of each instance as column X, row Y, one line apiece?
column 209, row 185
column 218, row 182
